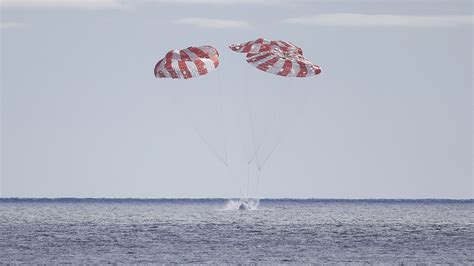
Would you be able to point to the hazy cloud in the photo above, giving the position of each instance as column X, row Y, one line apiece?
column 213, row 23
column 11, row 25
column 216, row 2
column 362, row 20
column 82, row 4
column 102, row 4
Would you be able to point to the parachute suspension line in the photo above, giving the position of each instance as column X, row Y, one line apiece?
column 280, row 125
column 209, row 146
column 252, row 158
column 258, row 163
column 279, row 139
column 213, row 150
column 224, row 129
column 248, row 179
column 249, row 164
column 261, row 144
column 252, row 136
column 256, row 151
column 216, row 155
column 258, row 179
column 261, row 164
column 221, row 110
column 249, row 113
column 201, row 137
column 281, row 136
column 233, row 178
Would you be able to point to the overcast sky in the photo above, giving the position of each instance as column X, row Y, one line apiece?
column 390, row 116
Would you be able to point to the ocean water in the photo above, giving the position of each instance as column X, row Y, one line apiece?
column 97, row 231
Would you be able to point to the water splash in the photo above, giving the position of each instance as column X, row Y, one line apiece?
column 241, row 204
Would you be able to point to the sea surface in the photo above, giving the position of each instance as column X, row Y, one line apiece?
column 125, row 231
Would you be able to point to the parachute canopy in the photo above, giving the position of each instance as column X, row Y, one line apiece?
column 261, row 45
column 277, row 57
column 187, row 63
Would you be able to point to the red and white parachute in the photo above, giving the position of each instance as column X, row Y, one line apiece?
column 261, row 45
column 187, row 63
column 277, row 57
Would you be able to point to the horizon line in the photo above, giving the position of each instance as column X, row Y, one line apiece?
column 221, row 198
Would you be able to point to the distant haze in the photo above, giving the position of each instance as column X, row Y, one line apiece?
column 390, row 116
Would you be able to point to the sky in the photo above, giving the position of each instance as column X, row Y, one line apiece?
column 390, row 116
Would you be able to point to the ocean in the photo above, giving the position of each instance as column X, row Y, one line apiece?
column 215, row 231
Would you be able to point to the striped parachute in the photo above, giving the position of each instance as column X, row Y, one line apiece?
column 263, row 45
column 187, row 63
column 277, row 57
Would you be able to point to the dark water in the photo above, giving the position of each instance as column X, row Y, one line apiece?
column 200, row 231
